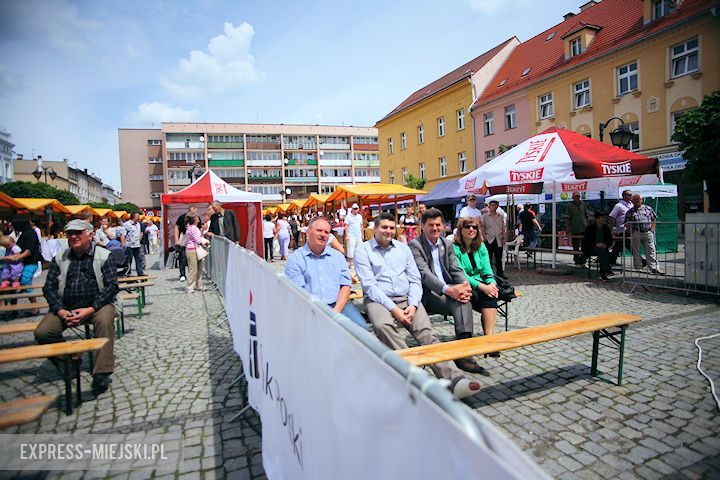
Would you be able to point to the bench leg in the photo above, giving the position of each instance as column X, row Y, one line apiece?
column 77, row 379
column 595, row 351
column 622, row 354
column 142, row 295
column 68, row 385
column 122, row 321
column 140, row 306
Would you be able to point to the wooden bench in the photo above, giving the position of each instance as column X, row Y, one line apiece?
column 24, row 410
column 137, row 286
column 6, row 310
column 124, row 296
column 17, row 296
column 137, row 278
column 598, row 325
column 563, row 251
column 21, row 287
column 65, row 350
column 18, row 328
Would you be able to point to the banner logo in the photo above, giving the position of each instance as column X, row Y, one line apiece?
column 254, row 361
column 470, row 184
column 537, row 150
column 624, row 182
column 615, row 169
column 574, row 187
column 529, row 176
column 516, row 188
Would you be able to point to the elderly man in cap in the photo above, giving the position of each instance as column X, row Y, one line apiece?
column 80, row 288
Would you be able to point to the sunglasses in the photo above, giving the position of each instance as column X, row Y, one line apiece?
column 470, row 227
column 74, row 233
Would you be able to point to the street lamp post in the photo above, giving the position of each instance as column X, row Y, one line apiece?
column 40, row 170
column 621, row 137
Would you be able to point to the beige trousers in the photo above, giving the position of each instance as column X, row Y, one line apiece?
column 194, row 278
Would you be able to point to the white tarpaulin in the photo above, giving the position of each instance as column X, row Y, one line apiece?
column 330, row 408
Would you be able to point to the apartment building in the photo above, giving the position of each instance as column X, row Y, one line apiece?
column 640, row 63
column 86, row 186
column 6, row 156
column 281, row 162
column 429, row 134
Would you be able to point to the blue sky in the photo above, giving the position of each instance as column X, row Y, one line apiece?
column 73, row 72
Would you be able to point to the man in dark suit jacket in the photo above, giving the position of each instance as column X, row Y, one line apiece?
column 446, row 290
column 596, row 241
column 224, row 223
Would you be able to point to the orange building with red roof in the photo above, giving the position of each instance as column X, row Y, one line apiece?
column 429, row 134
column 642, row 61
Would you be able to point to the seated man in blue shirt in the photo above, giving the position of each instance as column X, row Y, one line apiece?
column 323, row 271
column 393, row 293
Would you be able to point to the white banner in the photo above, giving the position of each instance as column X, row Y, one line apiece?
column 331, row 408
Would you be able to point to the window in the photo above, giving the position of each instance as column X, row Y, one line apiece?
column 392, row 177
column 404, row 174
column 441, row 126
column 461, row 119
column 155, row 194
column 155, row 160
column 575, row 47
column 421, row 134
column 390, row 146
column 546, row 105
column 582, row 94
column 685, row 58
column 503, row 82
column 526, row 71
column 403, row 141
column 510, row 117
column 488, row 121
column 154, row 142
column 662, row 8
column 156, row 177
column 635, row 143
column 422, row 169
column 443, row 167
column 489, row 155
column 364, row 140
column 674, row 117
column 627, row 78
column 462, row 162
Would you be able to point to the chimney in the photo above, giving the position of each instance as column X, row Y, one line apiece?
column 587, row 5
column 19, row 156
column 568, row 15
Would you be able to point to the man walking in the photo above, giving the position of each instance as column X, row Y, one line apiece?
column 641, row 221
column 80, row 288
column 353, row 232
column 393, row 293
column 132, row 242
column 495, row 236
column 617, row 214
column 446, row 290
column 576, row 221
column 224, row 223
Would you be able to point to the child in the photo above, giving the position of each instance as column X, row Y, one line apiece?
column 12, row 271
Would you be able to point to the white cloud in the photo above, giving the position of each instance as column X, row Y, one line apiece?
column 226, row 66
column 10, row 82
column 489, row 7
column 156, row 112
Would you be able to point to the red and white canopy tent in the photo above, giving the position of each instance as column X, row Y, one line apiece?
column 208, row 188
column 557, row 161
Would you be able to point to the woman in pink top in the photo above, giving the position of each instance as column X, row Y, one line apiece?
column 194, row 238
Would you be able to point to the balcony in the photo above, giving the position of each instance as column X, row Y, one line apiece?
column 263, row 145
column 367, row 163
column 175, row 182
column 301, row 179
column 365, row 147
column 185, row 146
column 301, row 162
column 226, row 145
column 227, row 163
column 347, row 179
column 271, row 197
column 335, row 163
column 334, row 146
column 263, row 163
column 301, row 146
column 367, row 179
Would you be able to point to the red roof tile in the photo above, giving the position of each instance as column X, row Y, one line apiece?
column 464, row 71
column 620, row 23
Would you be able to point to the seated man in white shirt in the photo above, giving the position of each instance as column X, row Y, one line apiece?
column 393, row 293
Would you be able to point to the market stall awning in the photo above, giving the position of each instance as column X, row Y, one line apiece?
column 283, row 207
column 121, row 214
column 298, row 204
column 209, row 187
column 104, row 212
column 447, row 192
column 374, row 193
column 78, row 209
column 316, row 199
column 39, row 204
column 7, row 201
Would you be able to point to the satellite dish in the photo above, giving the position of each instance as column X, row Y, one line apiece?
column 202, row 138
column 288, row 191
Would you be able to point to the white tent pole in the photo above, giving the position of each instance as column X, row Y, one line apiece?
column 554, row 229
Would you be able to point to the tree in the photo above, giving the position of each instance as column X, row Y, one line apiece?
column 697, row 133
column 415, row 182
column 38, row 190
column 503, row 148
column 127, row 206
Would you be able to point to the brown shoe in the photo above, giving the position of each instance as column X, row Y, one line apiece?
column 469, row 365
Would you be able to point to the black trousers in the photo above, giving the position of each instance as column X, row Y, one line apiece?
column 495, row 250
column 296, row 237
column 182, row 261
column 603, row 258
column 269, row 248
column 619, row 246
column 577, row 246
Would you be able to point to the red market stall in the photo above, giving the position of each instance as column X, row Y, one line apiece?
column 206, row 189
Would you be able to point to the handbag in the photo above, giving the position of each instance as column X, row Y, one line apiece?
column 506, row 290
column 201, row 252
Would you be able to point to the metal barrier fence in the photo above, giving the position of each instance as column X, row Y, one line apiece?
column 687, row 257
column 475, row 427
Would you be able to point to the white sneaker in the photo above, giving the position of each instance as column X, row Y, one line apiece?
column 182, row 278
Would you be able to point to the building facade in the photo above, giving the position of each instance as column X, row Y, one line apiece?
column 430, row 134
column 6, row 156
column 281, row 162
column 640, row 62
column 24, row 171
column 109, row 195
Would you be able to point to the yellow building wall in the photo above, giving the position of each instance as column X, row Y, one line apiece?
column 443, row 104
column 657, row 96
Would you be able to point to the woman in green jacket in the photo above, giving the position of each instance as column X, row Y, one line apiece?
column 473, row 258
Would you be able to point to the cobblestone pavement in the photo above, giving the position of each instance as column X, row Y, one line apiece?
column 176, row 364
